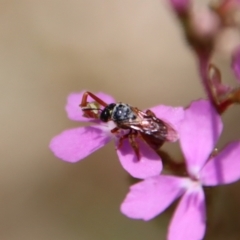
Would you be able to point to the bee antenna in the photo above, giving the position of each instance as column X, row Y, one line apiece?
column 88, row 108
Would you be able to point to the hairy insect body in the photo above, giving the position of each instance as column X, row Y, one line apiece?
column 119, row 113
column 153, row 130
column 123, row 112
column 146, row 125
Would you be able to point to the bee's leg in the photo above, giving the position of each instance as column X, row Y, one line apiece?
column 115, row 130
column 120, row 141
column 88, row 107
column 132, row 140
column 131, row 136
column 150, row 113
column 91, row 110
column 84, row 102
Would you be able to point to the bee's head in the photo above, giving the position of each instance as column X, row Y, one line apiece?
column 107, row 112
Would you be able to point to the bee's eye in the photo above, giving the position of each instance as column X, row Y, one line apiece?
column 107, row 112
column 105, row 115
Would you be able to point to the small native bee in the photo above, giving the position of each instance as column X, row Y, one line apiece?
column 145, row 125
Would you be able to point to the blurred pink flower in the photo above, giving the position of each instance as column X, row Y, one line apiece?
column 180, row 6
column 199, row 133
column 73, row 145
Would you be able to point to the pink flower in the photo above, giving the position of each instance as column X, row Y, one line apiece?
column 199, row 133
column 73, row 145
column 180, row 6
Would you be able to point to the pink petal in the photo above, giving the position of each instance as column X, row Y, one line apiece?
column 148, row 165
column 74, row 112
column 188, row 221
column 75, row 144
column 172, row 115
column 152, row 196
column 199, row 133
column 224, row 168
column 236, row 64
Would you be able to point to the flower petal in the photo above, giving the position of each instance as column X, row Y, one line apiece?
column 74, row 112
column 172, row 115
column 199, row 133
column 152, row 196
column 188, row 221
column 236, row 63
column 148, row 165
column 75, row 144
column 224, row 168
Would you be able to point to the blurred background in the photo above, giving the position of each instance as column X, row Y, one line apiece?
column 133, row 50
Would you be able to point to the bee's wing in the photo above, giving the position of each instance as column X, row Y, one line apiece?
column 155, row 139
column 152, row 141
column 172, row 135
column 135, row 124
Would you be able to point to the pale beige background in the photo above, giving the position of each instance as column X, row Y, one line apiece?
column 133, row 50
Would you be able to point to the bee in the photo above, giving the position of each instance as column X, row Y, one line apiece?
column 145, row 125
